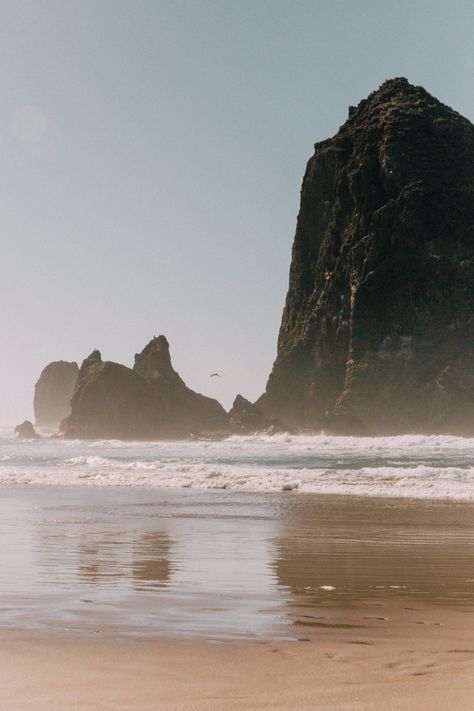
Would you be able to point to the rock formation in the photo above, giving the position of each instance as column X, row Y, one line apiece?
column 245, row 418
column 26, row 430
column 150, row 401
column 154, row 362
column 378, row 326
column 53, row 392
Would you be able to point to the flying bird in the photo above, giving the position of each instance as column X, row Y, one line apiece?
column 214, row 375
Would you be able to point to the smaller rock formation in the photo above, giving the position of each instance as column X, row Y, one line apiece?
column 247, row 418
column 26, row 430
column 53, row 392
column 150, row 401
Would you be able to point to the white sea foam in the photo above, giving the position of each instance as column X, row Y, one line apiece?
column 412, row 466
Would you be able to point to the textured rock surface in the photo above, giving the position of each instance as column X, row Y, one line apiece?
column 149, row 401
column 53, row 392
column 378, row 324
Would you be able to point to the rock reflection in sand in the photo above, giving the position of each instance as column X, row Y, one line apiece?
column 223, row 564
column 149, row 565
column 338, row 552
column 150, row 562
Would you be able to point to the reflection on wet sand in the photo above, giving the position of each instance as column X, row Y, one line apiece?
column 223, row 564
column 339, row 552
column 97, row 561
column 192, row 565
column 151, row 566
column 142, row 559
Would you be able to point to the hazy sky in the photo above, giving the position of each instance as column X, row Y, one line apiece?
column 151, row 160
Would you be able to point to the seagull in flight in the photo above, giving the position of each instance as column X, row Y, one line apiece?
column 214, row 375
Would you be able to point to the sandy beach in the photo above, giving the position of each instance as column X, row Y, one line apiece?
column 419, row 660
column 137, row 599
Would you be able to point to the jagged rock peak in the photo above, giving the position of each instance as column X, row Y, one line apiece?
column 241, row 402
column 148, row 401
column 396, row 96
column 94, row 357
column 244, row 417
column 154, row 361
column 242, row 406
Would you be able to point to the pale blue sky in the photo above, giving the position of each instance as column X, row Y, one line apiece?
column 151, row 160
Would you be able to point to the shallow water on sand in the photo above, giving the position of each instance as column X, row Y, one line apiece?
column 220, row 564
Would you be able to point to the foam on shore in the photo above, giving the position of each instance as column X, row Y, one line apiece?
column 413, row 465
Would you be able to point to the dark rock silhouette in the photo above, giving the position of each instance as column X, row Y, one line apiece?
column 26, row 430
column 53, row 392
column 245, row 418
column 154, row 362
column 149, row 401
column 378, row 325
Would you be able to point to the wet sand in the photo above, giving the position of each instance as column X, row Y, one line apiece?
column 401, row 664
column 138, row 599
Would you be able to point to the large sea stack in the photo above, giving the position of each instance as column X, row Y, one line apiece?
column 377, row 333
column 150, row 401
column 53, row 392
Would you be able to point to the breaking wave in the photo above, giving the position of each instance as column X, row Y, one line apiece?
column 409, row 466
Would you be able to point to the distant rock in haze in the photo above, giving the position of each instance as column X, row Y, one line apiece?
column 150, row 401
column 26, row 430
column 378, row 326
column 53, row 392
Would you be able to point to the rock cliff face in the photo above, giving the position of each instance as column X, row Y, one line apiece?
column 53, row 392
column 149, row 401
column 378, row 326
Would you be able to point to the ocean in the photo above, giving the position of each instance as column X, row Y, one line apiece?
column 417, row 466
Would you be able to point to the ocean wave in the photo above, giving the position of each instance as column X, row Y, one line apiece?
column 411, row 465
column 420, row 481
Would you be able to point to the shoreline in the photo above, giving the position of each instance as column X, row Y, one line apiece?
column 395, row 665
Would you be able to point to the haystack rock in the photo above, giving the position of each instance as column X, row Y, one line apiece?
column 150, row 401
column 377, row 333
column 53, row 392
